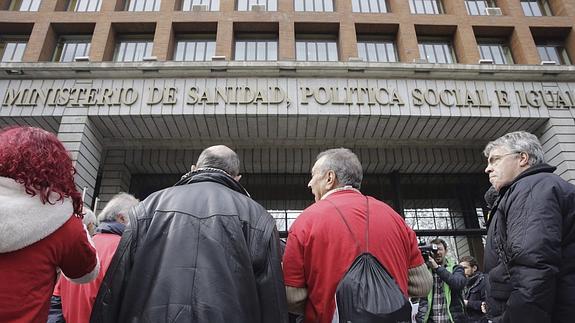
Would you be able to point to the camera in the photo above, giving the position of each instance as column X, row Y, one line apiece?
column 427, row 250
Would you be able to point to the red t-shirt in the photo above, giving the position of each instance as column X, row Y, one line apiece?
column 28, row 275
column 78, row 299
column 320, row 248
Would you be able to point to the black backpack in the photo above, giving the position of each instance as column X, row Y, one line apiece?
column 367, row 293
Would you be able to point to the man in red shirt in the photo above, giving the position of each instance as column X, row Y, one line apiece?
column 320, row 247
column 77, row 300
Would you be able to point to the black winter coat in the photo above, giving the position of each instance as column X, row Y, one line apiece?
column 200, row 252
column 533, row 229
column 474, row 294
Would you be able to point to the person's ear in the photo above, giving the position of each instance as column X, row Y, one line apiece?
column 331, row 179
column 193, row 168
column 475, row 268
column 523, row 159
column 121, row 218
column 238, row 177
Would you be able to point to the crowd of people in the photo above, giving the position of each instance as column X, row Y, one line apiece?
column 205, row 251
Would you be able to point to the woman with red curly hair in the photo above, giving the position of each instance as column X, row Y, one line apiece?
column 40, row 224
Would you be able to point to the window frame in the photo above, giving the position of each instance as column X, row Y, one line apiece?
column 385, row 41
column 245, row 5
column 73, row 5
column 543, row 7
column 13, row 40
column 559, row 50
column 505, row 50
column 208, row 41
column 213, row 5
column 484, row 4
column 303, row 5
column 33, row 5
column 149, row 41
column 256, row 40
column 64, row 41
column 415, row 4
column 358, row 6
column 434, row 42
column 307, row 39
column 133, row 5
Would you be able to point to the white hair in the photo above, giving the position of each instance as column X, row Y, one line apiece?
column 519, row 142
column 121, row 203
column 89, row 217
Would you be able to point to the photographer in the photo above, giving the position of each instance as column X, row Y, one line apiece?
column 444, row 303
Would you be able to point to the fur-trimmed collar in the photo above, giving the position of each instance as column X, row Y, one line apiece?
column 24, row 220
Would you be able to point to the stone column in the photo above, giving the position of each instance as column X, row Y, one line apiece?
column 115, row 177
column 558, row 139
column 84, row 142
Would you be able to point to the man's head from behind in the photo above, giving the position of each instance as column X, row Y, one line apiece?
column 335, row 168
column 118, row 207
column 439, row 256
column 510, row 155
column 220, row 157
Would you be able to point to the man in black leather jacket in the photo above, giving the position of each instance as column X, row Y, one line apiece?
column 201, row 251
column 530, row 249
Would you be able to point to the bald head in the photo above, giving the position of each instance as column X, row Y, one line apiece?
column 220, row 157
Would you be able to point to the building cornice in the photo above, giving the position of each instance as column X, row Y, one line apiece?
column 223, row 69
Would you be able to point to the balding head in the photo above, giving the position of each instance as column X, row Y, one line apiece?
column 220, row 157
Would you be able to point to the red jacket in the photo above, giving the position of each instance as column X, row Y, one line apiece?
column 77, row 300
column 320, row 247
column 35, row 240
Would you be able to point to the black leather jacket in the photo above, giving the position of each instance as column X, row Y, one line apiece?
column 202, row 251
column 530, row 250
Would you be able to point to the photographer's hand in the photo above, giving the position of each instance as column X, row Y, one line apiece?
column 433, row 264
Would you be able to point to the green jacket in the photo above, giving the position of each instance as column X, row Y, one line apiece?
column 454, row 282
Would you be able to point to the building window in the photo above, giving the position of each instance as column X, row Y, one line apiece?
column 68, row 48
column 25, row 5
column 555, row 53
column 477, row 7
column 133, row 50
column 195, row 49
column 84, row 5
column 437, row 52
column 536, row 8
column 211, row 5
column 313, row 5
column 428, row 7
column 267, row 5
column 496, row 51
column 12, row 50
column 143, row 5
column 369, row 6
column 256, row 50
column 377, row 51
column 316, row 50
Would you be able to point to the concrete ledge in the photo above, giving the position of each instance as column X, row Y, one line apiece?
column 91, row 70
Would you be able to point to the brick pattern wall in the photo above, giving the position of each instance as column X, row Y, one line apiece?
column 42, row 37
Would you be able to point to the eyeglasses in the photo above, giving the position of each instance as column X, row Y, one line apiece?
column 495, row 159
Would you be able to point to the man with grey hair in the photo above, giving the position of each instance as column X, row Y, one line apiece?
column 530, row 250
column 321, row 246
column 201, row 251
column 77, row 300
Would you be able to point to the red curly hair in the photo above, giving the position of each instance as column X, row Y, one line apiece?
column 36, row 159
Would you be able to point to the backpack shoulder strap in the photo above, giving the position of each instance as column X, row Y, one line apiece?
column 349, row 228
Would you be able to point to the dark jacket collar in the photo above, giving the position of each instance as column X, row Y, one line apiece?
column 540, row 168
column 111, row 227
column 212, row 175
